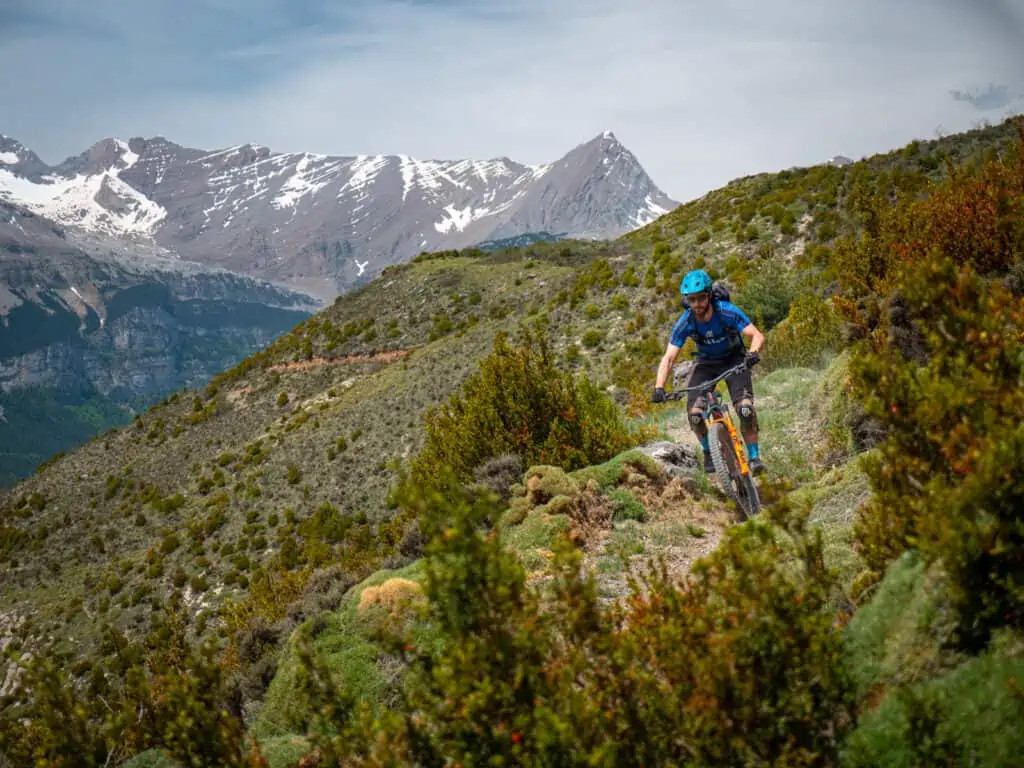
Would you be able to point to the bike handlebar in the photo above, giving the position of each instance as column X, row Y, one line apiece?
column 707, row 386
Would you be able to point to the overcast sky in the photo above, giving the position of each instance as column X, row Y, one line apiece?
column 701, row 92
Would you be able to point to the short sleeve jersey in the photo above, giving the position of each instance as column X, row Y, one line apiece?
column 716, row 339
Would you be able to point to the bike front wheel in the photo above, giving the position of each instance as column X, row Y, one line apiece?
column 738, row 486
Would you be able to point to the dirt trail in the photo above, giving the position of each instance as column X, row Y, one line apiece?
column 685, row 521
column 316, row 362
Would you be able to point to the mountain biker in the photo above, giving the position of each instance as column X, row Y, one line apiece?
column 717, row 327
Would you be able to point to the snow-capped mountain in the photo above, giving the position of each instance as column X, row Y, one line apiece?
column 323, row 223
column 839, row 160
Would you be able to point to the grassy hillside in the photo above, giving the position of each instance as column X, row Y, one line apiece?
column 264, row 499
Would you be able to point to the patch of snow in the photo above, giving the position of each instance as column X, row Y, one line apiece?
column 364, row 169
column 204, row 159
column 72, row 201
column 301, row 183
column 19, row 190
column 75, row 291
column 459, row 219
column 129, row 157
column 485, row 169
column 408, row 168
column 536, row 171
column 431, row 174
column 654, row 208
column 362, row 266
column 253, row 178
column 650, row 212
column 8, row 158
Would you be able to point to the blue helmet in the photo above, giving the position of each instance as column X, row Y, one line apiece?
column 694, row 282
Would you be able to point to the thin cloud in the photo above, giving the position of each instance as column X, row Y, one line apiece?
column 702, row 93
column 992, row 97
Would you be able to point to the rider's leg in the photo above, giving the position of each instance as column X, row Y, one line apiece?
column 695, row 408
column 748, row 425
column 700, row 429
column 741, row 390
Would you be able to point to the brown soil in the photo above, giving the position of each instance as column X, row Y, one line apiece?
column 377, row 357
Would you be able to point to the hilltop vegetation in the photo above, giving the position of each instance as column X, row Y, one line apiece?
column 473, row 613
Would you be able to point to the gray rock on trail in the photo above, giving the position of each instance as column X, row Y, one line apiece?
column 677, row 459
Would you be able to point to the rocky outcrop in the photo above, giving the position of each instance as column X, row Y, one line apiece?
column 89, row 336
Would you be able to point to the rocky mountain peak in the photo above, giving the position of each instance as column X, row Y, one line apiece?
column 19, row 160
column 105, row 155
column 601, row 153
column 324, row 223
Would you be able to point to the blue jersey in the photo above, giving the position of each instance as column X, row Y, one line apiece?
column 716, row 339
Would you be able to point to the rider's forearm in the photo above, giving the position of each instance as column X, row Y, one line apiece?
column 757, row 342
column 663, row 369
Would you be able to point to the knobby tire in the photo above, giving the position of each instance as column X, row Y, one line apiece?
column 727, row 471
column 753, row 503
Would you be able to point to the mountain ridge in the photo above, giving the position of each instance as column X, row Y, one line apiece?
column 323, row 223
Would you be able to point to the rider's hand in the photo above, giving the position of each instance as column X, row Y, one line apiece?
column 659, row 395
column 752, row 359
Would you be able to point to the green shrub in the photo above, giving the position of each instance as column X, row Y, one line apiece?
column 740, row 666
column 519, row 402
column 626, row 506
column 160, row 693
column 969, row 716
column 811, row 331
column 592, row 338
column 768, row 292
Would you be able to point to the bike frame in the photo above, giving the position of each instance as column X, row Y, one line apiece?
column 716, row 410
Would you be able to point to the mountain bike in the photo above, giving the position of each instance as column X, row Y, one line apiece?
column 728, row 451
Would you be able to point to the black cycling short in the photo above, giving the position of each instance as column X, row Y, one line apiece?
column 741, row 387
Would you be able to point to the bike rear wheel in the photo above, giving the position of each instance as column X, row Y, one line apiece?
column 752, row 504
column 737, row 486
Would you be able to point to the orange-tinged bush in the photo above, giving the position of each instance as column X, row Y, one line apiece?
column 975, row 217
column 394, row 595
column 947, row 479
